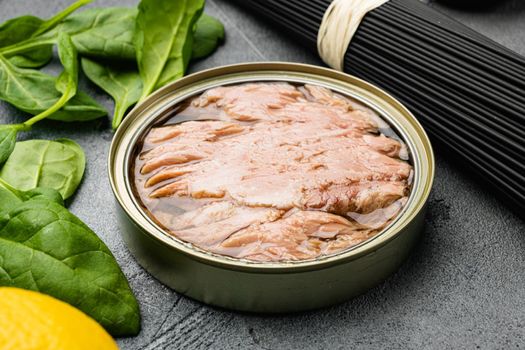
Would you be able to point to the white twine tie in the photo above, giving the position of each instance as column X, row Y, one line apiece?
column 340, row 22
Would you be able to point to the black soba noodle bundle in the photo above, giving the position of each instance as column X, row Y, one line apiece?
column 467, row 90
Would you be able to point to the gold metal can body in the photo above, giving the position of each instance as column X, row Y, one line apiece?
column 278, row 286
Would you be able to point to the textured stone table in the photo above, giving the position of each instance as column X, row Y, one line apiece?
column 463, row 287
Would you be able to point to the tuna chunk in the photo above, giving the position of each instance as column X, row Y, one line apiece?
column 284, row 173
column 281, row 165
column 250, row 102
column 219, row 220
column 300, row 235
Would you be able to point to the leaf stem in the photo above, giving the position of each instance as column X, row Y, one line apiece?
column 25, row 46
column 55, row 107
column 53, row 21
column 19, row 127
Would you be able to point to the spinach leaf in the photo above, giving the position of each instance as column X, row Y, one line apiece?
column 34, row 92
column 59, row 17
column 10, row 197
column 120, row 81
column 29, row 90
column 80, row 108
column 19, row 29
column 41, row 163
column 44, row 247
column 156, row 28
column 67, row 81
column 35, row 58
column 111, row 39
column 108, row 33
column 20, row 81
column 181, row 50
column 22, row 28
column 208, row 33
column 163, row 39
column 86, row 20
column 7, row 141
column 48, row 194
column 30, row 53
column 102, row 32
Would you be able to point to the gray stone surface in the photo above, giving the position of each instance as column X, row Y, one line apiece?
column 463, row 286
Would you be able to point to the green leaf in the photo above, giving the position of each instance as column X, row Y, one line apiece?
column 7, row 141
column 41, row 163
column 80, row 108
column 22, row 28
column 10, row 197
column 102, row 32
column 29, row 90
column 48, row 194
column 163, row 39
column 108, row 33
column 68, row 80
column 44, row 247
column 29, row 53
column 25, row 27
column 208, row 34
column 35, row 58
column 8, row 200
column 111, row 39
column 120, row 81
column 34, row 92
column 19, row 29
column 59, row 17
column 92, row 18
column 181, row 50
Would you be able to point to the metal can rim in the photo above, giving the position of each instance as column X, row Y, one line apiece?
column 366, row 247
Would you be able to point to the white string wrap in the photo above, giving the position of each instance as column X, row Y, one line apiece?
column 340, row 22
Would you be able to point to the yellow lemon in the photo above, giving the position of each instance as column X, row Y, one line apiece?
column 34, row 321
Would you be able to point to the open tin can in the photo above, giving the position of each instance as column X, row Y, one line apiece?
column 273, row 286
